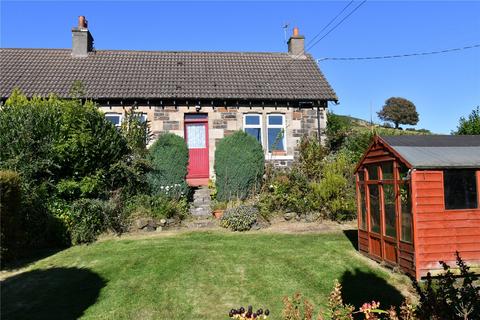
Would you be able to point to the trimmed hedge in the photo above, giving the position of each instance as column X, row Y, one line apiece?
column 239, row 166
column 10, row 212
column 169, row 159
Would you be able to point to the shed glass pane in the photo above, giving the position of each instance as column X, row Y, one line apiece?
column 460, row 189
column 372, row 172
column 361, row 175
column 402, row 172
column 363, row 208
column 406, row 204
column 387, row 171
column 389, row 209
column 374, row 208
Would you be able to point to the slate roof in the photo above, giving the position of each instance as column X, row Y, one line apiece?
column 437, row 151
column 111, row 74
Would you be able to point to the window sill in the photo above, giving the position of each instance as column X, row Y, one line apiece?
column 279, row 157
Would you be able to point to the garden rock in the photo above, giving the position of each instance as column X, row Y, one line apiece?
column 163, row 222
column 159, row 229
column 141, row 223
column 289, row 216
column 310, row 217
column 256, row 226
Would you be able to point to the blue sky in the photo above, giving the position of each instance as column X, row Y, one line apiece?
column 443, row 87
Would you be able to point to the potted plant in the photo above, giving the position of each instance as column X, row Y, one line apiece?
column 218, row 207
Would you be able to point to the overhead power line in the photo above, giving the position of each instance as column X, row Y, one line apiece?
column 335, row 26
column 405, row 55
column 325, row 27
column 331, row 21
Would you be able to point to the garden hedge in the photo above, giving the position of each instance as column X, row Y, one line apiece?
column 239, row 166
column 10, row 211
column 169, row 159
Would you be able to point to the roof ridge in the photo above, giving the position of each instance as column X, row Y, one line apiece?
column 160, row 51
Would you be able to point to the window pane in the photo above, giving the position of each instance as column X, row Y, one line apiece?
column 255, row 132
column 196, row 136
column 361, row 175
column 363, row 208
column 275, row 120
column 252, row 119
column 195, row 116
column 402, row 172
column 406, row 232
column 374, row 208
column 389, row 209
column 460, row 189
column 387, row 171
column 372, row 172
column 115, row 119
column 275, row 139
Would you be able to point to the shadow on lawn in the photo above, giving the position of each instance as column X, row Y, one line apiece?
column 57, row 293
column 26, row 257
column 352, row 235
column 360, row 287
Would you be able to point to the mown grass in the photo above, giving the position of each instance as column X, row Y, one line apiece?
column 198, row 275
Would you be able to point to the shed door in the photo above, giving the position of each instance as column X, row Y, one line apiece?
column 196, row 135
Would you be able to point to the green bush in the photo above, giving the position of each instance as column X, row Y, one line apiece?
column 240, row 218
column 88, row 220
column 334, row 195
column 239, row 166
column 169, row 160
column 449, row 296
column 10, row 212
column 156, row 207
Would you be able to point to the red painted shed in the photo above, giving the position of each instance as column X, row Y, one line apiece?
column 419, row 201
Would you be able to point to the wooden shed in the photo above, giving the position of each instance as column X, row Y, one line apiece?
column 418, row 201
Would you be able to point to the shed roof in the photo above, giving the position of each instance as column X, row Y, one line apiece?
column 437, row 151
column 112, row 74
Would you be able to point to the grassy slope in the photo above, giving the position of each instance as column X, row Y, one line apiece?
column 193, row 276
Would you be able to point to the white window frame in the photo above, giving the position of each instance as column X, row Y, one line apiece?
column 254, row 126
column 119, row 115
column 283, row 126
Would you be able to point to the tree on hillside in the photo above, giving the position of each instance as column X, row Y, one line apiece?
column 399, row 111
column 470, row 125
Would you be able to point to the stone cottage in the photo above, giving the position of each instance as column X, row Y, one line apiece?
column 201, row 96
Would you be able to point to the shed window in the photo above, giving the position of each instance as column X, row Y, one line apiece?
column 406, row 206
column 372, row 172
column 276, row 132
column 374, row 208
column 387, row 171
column 252, row 124
column 363, row 208
column 460, row 187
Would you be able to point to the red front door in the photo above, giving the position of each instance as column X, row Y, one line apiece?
column 196, row 135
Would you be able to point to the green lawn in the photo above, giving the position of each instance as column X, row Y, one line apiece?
column 198, row 275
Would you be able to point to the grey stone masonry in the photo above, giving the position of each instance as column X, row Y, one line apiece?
column 201, row 203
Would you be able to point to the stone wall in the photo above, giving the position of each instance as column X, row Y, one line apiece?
column 223, row 121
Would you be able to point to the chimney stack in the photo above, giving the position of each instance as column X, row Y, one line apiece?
column 82, row 40
column 296, row 44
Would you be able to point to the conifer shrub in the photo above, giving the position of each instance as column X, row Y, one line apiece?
column 10, row 211
column 169, row 161
column 239, row 166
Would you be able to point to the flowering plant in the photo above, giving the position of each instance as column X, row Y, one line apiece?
column 243, row 314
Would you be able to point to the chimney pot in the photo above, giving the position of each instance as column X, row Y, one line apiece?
column 82, row 22
column 295, row 32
